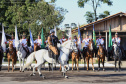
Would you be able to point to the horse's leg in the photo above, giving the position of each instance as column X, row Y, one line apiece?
column 36, row 63
column 55, row 66
column 8, row 64
column 92, row 64
column 84, row 63
column 63, row 70
column 12, row 65
column 77, row 64
column 119, row 65
column 72, row 63
column 20, row 63
column 39, row 71
column 87, row 60
column 98, row 63
column 115, row 64
column 103, row 63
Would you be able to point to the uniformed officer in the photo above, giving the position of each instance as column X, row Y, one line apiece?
column 86, row 41
column 75, row 39
column 38, row 41
column 62, row 40
column 12, row 39
column 116, row 39
column 100, row 41
column 23, row 41
column 52, row 41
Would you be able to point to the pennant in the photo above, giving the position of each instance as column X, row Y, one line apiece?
column 16, row 37
column 31, row 38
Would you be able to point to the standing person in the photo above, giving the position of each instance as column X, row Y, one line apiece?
column 23, row 41
column 38, row 41
column 86, row 41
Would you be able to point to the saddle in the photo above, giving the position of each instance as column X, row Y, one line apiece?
column 27, row 51
column 52, row 55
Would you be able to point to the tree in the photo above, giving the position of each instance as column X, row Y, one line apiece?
column 90, row 16
column 95, row 4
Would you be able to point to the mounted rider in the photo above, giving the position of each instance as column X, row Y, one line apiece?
column 23, row 41
column 117, row 40
column 52, row 42
column 62, row 40
column 38, row 41
column 12, row 39
column 100, row 41
column 86, row 41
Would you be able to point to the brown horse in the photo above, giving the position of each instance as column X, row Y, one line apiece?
column 89, row 54
column 75, row 58
column 101, row 55
column 1, row 57
column 11, row 55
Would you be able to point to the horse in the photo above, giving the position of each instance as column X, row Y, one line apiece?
column 89, row 54
column 101, row 55
column 1, row 57
column 11, row 55
column 117, row 55
column 43, row 55
column 75, row 57
column 21, row 53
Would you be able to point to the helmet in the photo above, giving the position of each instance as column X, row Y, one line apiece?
column 52, row 31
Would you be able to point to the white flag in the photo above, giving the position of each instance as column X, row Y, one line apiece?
column 16, row 37
column 3, row 39
column 70, row 35
column 55, row 31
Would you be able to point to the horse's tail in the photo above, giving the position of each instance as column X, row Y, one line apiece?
column 29, row 60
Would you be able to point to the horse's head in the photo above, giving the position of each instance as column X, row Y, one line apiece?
column 100, row 46
column 90, row 45
column 10, row 44
column 73, row 46
column 19, row 46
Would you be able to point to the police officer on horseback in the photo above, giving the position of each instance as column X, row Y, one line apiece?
column 86, row 41
column 38, row 41
column 52, row 42
column 23, row 41
column 12, row 39
column 117, row 40
column 100, row 41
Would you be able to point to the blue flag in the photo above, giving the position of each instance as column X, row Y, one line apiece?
column 31, row 39
column 79, row 38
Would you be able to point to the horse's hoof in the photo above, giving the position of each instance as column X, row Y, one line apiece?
column 42, row 76
column 33, row 74
column 20, row 71
column 66, row 77
column 103, row 69
column 94, row 70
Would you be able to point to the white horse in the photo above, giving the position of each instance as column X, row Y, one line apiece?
column 43, row 55
column 21, row 53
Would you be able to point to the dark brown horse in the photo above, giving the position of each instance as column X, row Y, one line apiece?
column 89, row 54
column 101, row 55
column 11, row 55
column 1, row 57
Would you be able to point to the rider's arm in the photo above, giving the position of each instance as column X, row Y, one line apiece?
column 50, row 43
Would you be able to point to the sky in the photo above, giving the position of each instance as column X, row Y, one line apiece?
column 76, row 14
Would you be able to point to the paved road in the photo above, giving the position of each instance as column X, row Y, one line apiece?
column 81, row 77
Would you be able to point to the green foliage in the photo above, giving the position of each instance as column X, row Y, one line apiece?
column 94, row 4
column 30, row 14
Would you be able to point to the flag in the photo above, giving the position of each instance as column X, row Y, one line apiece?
column 31, row 38
column 43, row 40
column 55, row 31
column 70, row 35
column 110, row 39
column 94, row 37
column 3, row 44
column 79, row 38
column 16, row 37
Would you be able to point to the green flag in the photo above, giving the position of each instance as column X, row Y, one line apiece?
column 43, row 39
column 110, row 39
column 94, row 37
